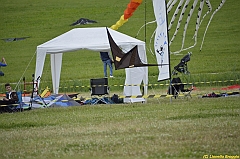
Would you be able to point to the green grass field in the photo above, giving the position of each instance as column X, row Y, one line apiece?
column 157, row 129
column 181, row 129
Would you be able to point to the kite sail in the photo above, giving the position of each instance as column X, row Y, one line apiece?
column 126, row 60
column 83, row 21
column 14, row 39
column 161, row 45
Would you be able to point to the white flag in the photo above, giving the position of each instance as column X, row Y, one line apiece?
column 161, row 45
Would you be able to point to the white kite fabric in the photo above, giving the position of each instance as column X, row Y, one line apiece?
column 183, row 14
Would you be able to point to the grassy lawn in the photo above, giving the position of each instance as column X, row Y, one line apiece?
column 159, row 128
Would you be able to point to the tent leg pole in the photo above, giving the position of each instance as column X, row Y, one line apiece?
column 170, row 92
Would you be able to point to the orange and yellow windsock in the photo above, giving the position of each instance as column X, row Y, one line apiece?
column 131, row 7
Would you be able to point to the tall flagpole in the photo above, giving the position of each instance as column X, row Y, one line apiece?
column 145, row 20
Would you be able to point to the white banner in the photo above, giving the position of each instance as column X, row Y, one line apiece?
column 161, row 45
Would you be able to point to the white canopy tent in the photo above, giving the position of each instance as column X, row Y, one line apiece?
column 94, row 39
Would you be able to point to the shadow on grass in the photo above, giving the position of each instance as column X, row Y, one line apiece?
column 23, row 125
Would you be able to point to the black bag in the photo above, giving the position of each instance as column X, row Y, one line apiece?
column 115, row 98
column 1, row 73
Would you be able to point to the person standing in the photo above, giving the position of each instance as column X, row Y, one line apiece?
column 107, row 61
column 2, row 64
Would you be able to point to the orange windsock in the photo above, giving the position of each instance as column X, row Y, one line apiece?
column 132, row 6
column 138, row 1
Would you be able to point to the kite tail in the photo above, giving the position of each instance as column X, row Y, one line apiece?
column 219, row 7
column 175, row 14
column 200, row 9
column 179, row 21
column 209, row 10
column 170, row 5
column 131, row 7
column 187, row 22
column 150, row 42
column 144, row 26
column 119, row 23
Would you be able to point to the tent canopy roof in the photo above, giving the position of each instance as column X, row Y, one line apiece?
column 94, row 39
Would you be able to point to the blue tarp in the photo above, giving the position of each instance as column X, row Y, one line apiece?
column 103, row 100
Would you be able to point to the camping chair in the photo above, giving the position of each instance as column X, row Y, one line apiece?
column 99, row 88
column 176, row 88
column 11, row 105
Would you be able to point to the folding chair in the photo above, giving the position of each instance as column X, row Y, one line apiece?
column 185, row 92
column 11, row 105
column 176, row 88
column 99, row 91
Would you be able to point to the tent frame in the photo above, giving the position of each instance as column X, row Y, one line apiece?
column 94, row 39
